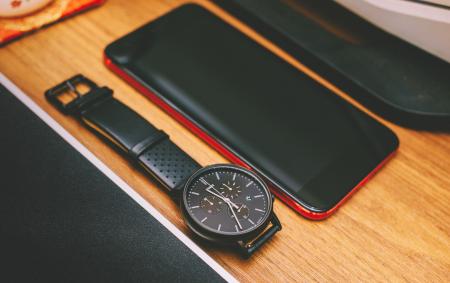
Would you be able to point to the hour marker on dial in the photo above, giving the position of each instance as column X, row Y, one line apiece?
column 203, row 220
column 258, row 196
column 260, row 210
column 220, row 226
column 217, row 176
column 195, row 193
column 249, row 220
column 251, row 182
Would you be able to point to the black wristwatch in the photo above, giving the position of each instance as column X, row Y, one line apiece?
column 224, row 203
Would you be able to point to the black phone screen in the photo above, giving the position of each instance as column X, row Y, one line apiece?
column 300, row 136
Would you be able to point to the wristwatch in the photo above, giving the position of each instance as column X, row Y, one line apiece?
column 225, row 204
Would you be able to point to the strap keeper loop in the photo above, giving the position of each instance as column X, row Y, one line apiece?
column 147, row 143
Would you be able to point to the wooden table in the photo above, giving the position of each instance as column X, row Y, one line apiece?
column 397, row 227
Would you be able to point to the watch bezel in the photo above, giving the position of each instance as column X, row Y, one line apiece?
column 214, row 235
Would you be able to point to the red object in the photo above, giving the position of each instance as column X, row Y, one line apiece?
column 72, row 8
column 228, row 154
column 16, row 3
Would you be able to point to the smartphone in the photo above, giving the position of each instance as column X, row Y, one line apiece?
column 313, row 147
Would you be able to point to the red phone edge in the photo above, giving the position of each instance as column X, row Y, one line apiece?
column 231, row 156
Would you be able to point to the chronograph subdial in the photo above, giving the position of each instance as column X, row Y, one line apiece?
column 230, row 189
column 211, row 204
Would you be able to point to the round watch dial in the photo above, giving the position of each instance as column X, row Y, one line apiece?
column 227, row 200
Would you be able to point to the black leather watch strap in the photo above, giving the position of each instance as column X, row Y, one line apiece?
column 140, row 140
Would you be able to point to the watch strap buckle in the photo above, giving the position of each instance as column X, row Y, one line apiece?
column 81, row 100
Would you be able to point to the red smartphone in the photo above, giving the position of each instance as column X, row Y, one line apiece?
column 313, row 147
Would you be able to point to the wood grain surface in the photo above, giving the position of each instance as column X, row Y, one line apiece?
column 396, row 228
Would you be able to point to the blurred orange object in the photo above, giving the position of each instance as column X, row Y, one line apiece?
column 11, row 28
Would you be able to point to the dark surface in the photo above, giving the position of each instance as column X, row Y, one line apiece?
column 62, row 220
column 293, row 131
column 388, row 75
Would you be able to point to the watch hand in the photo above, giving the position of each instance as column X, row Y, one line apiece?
column 232, row 203
column 227, row 200
column 239, row 210
column 215, row 194
column 230, row 189
column 211, row 186
column 222, row 197
column 234, row 214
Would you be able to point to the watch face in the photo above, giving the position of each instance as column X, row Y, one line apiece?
column 227, row 199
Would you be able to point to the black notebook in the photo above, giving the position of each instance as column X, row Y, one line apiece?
column 66, row 217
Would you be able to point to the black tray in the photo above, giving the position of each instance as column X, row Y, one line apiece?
column 391, row 77
column 63, row 220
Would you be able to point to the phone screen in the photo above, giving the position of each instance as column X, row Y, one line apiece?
column 301, row 137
